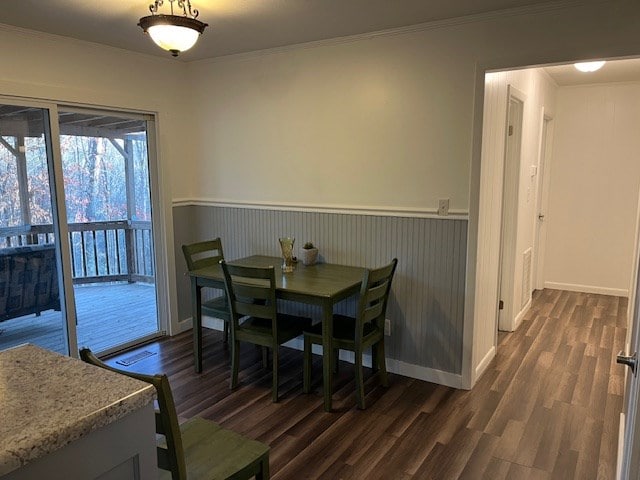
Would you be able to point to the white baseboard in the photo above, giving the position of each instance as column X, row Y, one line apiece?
column 213, row 323
column 512, row 326
column 208, row 322
column 518, row 320
column 484, row 363
column 616, row 292
column 182, row 326
column 427, row 374
column 393, row 366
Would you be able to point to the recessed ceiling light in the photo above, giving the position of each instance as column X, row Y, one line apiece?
column 589, row 66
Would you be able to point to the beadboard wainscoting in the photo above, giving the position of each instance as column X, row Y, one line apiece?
column 426, row 306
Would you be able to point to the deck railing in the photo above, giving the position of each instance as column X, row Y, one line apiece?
column 100, row 251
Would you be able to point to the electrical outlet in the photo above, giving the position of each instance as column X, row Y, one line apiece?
column 387, row 327
column 443, row 206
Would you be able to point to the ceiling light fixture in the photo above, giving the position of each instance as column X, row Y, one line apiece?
column 174, row 33
column 588, row 67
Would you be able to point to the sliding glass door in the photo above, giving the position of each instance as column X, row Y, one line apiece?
column 105, row 167
column 92, row 234
column 31, row 286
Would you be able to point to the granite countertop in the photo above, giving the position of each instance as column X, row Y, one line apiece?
column 48, row 400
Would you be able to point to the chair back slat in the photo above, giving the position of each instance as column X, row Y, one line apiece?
column 250, row 274
column 251, row 292
column 373, row 312
column 172, row 457
column 374, row 295
column 203, row 254
column 244, row 292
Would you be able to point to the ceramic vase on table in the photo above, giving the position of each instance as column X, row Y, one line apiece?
column 288, row 263
column 309, row 256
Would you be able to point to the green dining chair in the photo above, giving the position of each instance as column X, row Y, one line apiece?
column 359, row 333
column 204, row 254
column 251, row 293
column 199, row 448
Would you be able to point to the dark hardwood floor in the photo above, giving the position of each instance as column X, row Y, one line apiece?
column 547, row 407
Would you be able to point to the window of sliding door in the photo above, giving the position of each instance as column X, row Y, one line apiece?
column 76, row 211
column 31, row 286
column 105, row 165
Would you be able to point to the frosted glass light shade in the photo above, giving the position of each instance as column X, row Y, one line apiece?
column 173, row 38
column 589, row 66
column 174, row 33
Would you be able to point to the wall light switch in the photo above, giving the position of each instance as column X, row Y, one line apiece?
column 387, row 327
column 443, row 206
column 534, row 170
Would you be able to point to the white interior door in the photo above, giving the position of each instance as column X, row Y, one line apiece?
column 630, row 448
column 541, row 204
column 506, row 310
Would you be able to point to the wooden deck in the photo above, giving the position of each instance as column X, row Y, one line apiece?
column 108, row 315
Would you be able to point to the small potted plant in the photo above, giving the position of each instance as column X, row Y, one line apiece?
column 309, row 254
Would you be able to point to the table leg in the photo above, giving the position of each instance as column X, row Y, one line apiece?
column 327, row 353
column 196, row 319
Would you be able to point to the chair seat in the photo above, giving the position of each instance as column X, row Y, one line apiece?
column 289, row 326
column 212, row 452
column 344, row 328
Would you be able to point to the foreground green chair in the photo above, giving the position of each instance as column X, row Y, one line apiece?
column 204, row 254
column 254, row 316
column 359, row 333
column 198, row 449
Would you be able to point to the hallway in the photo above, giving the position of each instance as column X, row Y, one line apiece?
column 560, row 390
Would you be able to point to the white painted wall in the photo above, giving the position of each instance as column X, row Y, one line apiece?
column 378, row 121
column 40, row 66
column 593, row 195
column 364, row 123
column 539, row 91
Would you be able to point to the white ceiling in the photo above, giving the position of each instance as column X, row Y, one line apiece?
column 237, row 26
column 612, row 71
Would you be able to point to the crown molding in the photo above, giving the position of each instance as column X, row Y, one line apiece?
column 52, row 37
column 406, row 212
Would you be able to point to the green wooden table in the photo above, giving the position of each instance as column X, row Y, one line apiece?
column 323, row 284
